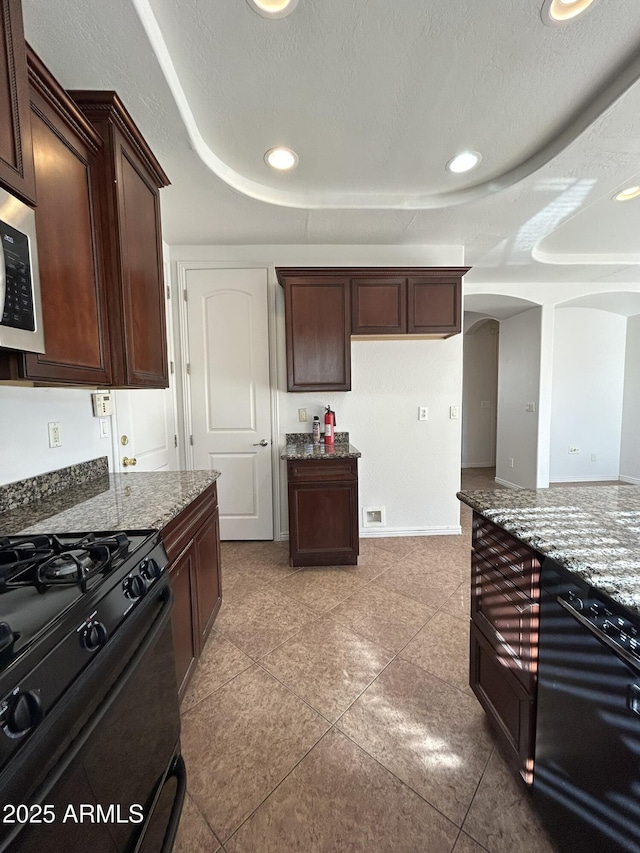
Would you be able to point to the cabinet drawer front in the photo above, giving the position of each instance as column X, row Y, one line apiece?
column 319, row 470
column 507, row 616
column 511, row 557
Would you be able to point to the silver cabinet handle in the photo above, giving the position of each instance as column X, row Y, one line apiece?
column 262, row 443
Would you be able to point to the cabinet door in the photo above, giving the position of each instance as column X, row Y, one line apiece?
column 323, row 524
column 141, row 275
column 508, row 705
column 318, row 328
column 434, row 305
column 73, row 304
column 207, row 543
column 185, row 647
column 378, row 306
column 16, row 159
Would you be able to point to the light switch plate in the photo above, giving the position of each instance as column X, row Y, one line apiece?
column 454, row 412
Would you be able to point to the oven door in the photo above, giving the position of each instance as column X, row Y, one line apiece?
column 103, row 771
column 587, row 764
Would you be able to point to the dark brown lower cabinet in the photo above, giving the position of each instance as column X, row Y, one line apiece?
column 323, row 512
column 505, row 576
column 192, row 540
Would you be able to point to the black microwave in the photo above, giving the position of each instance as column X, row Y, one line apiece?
column 20, row 302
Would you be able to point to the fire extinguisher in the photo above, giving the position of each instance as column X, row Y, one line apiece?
column 329, row 426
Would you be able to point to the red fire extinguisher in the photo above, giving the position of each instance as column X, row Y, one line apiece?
column 329, row 426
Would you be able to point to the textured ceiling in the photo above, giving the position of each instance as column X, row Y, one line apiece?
column 375, row 97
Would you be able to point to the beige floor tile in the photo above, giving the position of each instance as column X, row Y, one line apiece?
column 501, row 817
column 372, row 563
column 220, row 662
column 339, row 800
column 398, row 546
column 425, row 732
column 428, row 581
column 327, row 665
column 269, row 553
column 442, row 648
column 382, row 616
column 194, row 834
column 321, row 587
column 262, row 621
column 459, row 602
column 464, row 844
column 240, row 742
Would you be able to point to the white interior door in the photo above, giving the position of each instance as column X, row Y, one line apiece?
column 228, row 353
column 144, row 421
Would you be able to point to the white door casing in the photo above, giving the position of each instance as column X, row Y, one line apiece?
column 228, row 355
column 147, row 417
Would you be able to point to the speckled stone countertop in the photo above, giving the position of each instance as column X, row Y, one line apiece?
column 300, row 446
column 131, row 501
column 594, row 531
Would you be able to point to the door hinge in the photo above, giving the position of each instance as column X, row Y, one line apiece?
column 171, row 367
column 191, row 440
column 168, row 292
column 184, row 295
column 175, row 440
column 188, row 370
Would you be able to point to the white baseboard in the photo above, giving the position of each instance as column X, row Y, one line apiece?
column 633, row 480
column 368, row 533
column 596, row 479
column 506, row 483
column 478, row 465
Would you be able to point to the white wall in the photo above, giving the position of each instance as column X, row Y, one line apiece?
column 24, row 436
column 410, row 467
column 588, row 383
column 518, row 385
column 630, row 442
column 480, row 359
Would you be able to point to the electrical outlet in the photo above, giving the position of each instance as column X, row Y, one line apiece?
column 423, row 413
column 454, row 412
column 530, row 407
column 573, row 449
column 510, row 462
column 302, row 416
column 54, row 434
column 484, row 404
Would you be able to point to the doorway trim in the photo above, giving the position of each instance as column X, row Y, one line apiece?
column 182, row 268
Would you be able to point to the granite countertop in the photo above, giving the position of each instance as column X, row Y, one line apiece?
column 131, row 501
column 300, row 446
column 594, row 531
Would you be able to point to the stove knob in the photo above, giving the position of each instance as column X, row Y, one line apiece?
column 574, row 601
column 24, row 712
column 150, row 569
column 134, row 586
column 94, row 636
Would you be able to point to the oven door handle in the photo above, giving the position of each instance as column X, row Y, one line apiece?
column 41, row 793
column 628, row 658
column 179, row 771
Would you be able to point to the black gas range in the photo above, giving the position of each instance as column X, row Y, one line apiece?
column 89, row 718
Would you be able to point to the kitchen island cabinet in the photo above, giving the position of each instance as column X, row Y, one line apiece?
column 323, row 504
column 16, row 159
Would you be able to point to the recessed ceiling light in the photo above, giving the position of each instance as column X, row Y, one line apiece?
column 629, row 193
column 464, row 161
column 273, row 8
column 281, row 159
column 560, row 11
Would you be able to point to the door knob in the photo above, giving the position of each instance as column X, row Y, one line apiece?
column 262, row 443
column 128, row 461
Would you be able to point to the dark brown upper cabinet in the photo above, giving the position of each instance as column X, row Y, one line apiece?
column 128, row 179
column 378, row 306
column 16, row 158
column 74, row 313
column 425, row 302
column 318, row 328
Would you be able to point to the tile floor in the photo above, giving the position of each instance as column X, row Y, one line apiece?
column 331, row 713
